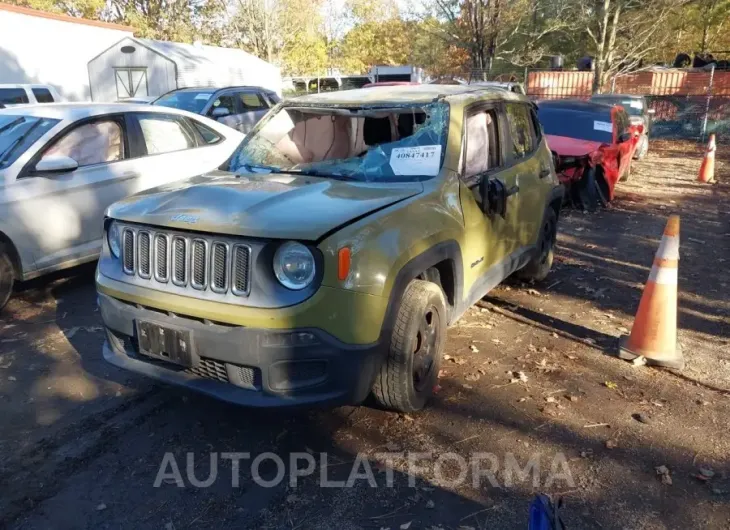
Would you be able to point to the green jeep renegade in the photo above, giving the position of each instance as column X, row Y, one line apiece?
column 349, row 230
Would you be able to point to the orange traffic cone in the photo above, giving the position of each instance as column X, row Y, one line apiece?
column 654, row 333
column 707, row 169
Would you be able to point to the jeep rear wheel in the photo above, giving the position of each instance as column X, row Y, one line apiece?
column 7, row 276
column 539, row 266
column 409, row 373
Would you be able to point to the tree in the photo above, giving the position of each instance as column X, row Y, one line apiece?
column 622, row 33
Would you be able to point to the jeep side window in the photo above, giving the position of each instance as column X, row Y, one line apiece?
column 536, row 130
column 520, row 129
column 482, row 144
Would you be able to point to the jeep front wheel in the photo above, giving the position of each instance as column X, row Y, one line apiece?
column 7, row 276
column 409, row 373
column 542, row 261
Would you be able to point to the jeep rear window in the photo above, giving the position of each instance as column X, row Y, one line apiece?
column 368, row 144
column 596, row 127
column 17, row 133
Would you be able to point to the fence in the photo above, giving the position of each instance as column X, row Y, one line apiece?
column 688, row 103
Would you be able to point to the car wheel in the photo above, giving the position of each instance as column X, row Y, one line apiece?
column 643, row 148
column 7, row 276
column 409, row 373
column 539, row 266
column 583, row 192
column 602, row 192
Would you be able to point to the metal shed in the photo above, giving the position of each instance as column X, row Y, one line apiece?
column 141, row 67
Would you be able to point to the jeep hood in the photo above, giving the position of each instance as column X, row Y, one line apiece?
column 273, row 205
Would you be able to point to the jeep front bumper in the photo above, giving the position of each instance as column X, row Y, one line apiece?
column 247, row 366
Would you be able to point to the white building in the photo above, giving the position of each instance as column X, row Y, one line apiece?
column 39, row 47
column 141, row 67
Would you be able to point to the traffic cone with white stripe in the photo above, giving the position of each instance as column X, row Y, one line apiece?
column 707, row 169
column 654, row 333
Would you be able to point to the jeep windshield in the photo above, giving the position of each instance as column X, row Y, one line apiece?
column 371, row 144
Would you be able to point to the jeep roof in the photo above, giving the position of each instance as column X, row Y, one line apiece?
column 406, row 95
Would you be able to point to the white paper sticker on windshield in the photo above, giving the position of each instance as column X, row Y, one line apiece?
column 605, row 126
column 635, row 103
column 204, row 95
column 422, row 160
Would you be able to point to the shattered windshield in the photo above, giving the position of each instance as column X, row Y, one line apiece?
column 366, row 144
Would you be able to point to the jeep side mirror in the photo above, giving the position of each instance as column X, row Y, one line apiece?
column 494, row 196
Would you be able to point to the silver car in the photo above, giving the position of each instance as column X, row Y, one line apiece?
column 62, row 165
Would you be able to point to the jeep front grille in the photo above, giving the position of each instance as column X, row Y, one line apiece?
column 186, row 260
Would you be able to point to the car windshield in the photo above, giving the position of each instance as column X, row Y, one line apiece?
column 633, row 106
column 17, row 133
column 595, row 127
column 384, row 143
column 190, row 100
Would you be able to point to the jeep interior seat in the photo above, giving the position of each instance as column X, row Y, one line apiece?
column 377, row 131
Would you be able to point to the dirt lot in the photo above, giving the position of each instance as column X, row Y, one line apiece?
column 81, row 443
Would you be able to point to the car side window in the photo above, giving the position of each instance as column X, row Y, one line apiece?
column 208, row 135
column 482, row 143
column 42, row 95
column 251, row 101
column 164, row 134
column 92, row 143
column 226, row 101
column 13, row 96
column 519, row 124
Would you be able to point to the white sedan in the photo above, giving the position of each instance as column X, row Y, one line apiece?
column 62, row 165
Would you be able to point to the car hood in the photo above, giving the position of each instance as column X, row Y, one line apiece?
column 566, row 146
column 257, row 205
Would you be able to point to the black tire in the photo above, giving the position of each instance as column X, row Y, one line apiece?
column 409, row 373
column 643, row 149
column 539, row 266
column 602, row 192
column 584, row 193
column 7, row 276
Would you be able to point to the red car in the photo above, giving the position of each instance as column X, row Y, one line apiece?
column 592, row 144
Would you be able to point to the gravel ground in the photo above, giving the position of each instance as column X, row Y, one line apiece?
column 527, row 381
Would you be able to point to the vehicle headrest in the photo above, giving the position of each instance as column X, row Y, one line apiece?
column 376, row 131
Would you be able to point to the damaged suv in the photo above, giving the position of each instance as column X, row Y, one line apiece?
column 349, row 230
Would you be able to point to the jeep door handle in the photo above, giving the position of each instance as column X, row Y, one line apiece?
column 544, row 173
column 514, row 190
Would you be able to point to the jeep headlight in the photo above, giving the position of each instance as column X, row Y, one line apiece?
column 114, row 238
column 294, row 265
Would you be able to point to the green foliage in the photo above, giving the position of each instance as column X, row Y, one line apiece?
column 446, row 37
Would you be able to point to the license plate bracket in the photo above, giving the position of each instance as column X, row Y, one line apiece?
column 165, row 343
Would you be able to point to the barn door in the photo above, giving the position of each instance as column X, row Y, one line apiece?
column 131, row 82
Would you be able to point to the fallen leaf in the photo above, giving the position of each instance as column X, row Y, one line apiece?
column 610, row 384
column 474, row 349
column 70, row 333
column 447, row 357
column 518, row 377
